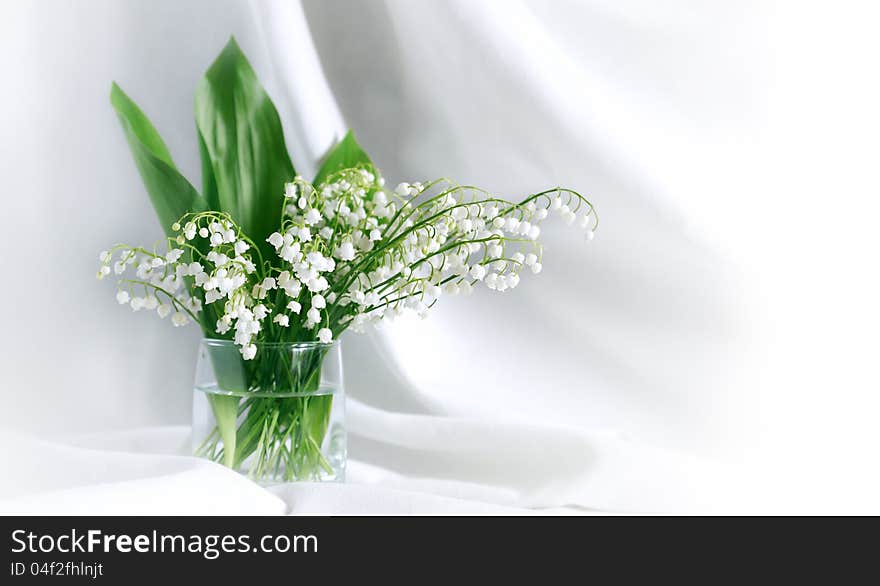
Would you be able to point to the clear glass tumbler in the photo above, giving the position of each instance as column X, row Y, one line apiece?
column 276, row 418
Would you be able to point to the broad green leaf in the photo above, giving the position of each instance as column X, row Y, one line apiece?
column 172, row 195
column 225, row 408
column 344, row 154
column 209, row 185
column 242, row 146
column 231, row 372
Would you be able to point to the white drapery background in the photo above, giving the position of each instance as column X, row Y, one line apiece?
column 640, row 372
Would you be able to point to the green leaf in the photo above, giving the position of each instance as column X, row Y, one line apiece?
column 209, row 185
column 225, row 408
column 344, row 154
column 172, row 195
column 242, row 146
column 231, row 373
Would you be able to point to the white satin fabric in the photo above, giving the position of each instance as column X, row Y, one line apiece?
column 628, row 376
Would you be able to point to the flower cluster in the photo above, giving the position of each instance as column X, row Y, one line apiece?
column 348, row 252
column 156, row 285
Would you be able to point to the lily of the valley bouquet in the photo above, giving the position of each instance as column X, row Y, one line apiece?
column 274, row 267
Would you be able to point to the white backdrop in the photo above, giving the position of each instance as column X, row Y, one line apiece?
column 725, row 312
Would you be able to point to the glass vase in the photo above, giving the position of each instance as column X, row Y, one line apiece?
column 276, row 418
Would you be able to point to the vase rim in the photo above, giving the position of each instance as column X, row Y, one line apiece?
column 220, row 342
